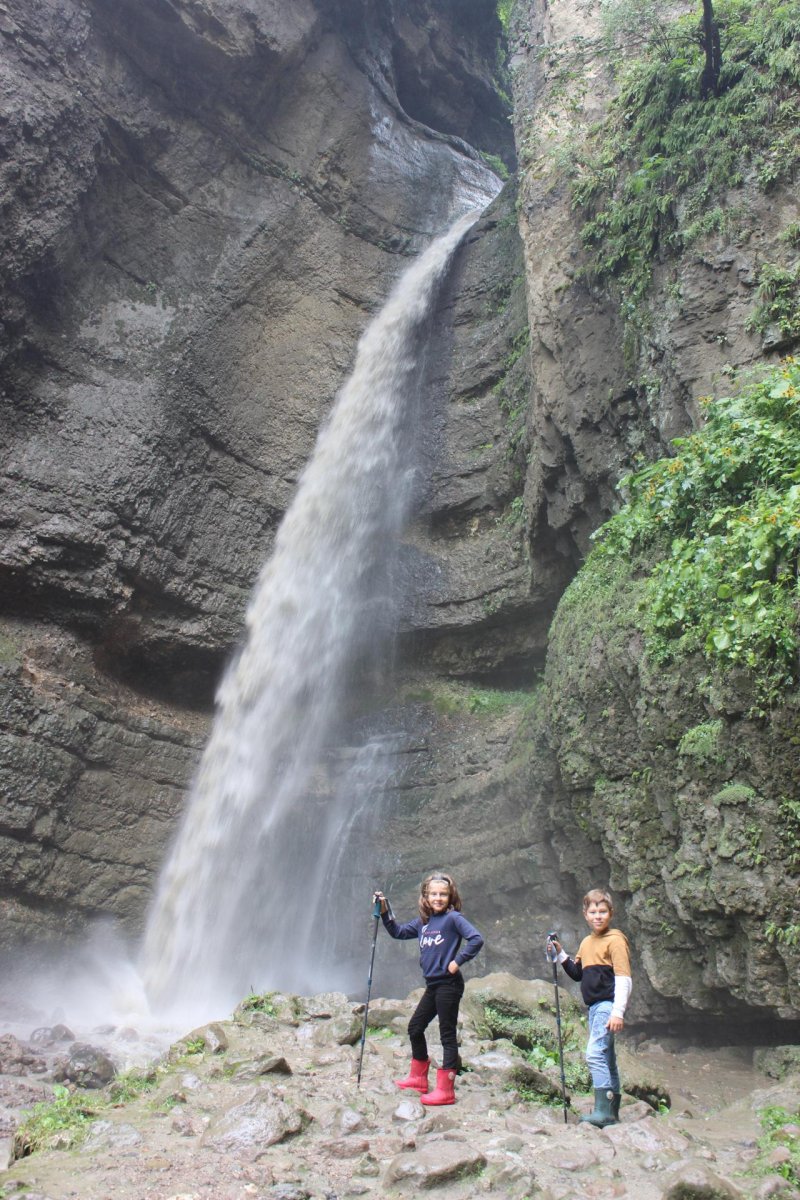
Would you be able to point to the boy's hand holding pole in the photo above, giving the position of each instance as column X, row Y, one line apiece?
column 554, row 949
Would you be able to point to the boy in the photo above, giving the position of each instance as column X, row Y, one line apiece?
column 603, row 967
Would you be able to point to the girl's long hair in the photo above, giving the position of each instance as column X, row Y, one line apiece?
column 425, row 910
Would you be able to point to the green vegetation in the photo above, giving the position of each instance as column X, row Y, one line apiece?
column 261, row 1002
column 504, row 10
column 452, row 699
column 494, row 701
column 789, row 832
column 514, row 515
column 722, row 521
column 496, row 164
column 701, row 742
column 785, row 935
column 511, row 390
column 778, row 301
column 656, row 174
column 735, row 793
column 779, row 1131
column 520, row 1028
column 131, row 1084
column 540, row 1045
column 63, row 1120
column 576, row 1073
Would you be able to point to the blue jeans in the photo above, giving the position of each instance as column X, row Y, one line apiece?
column 600, row 1055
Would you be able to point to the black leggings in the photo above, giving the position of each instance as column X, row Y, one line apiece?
column 441, row 999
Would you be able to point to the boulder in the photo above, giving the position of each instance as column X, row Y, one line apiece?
column 272, row 1064
column 87, row 1067
column 435, row 1164
column 777, row 1061
column 262, row 1120
column 695, row 1180
column 16, row 1060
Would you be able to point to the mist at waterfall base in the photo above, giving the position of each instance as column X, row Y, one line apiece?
column 268, row 882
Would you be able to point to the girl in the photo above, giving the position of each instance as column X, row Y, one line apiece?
column 440, row 928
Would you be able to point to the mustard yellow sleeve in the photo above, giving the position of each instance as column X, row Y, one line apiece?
column 620, row 954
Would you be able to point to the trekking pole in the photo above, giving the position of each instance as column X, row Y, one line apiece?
column 552, row 956
column 376, row 912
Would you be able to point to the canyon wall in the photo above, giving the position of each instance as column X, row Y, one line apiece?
column 204, row 205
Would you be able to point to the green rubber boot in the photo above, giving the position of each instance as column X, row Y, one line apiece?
column 603, row 1113
column 615, row 1103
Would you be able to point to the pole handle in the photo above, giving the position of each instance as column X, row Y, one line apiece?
column 376, row 909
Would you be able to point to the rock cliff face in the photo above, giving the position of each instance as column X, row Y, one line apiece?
column 665, row 774
column 605, row 774
column 192, row 190
column 204, row 203
column 659, row 782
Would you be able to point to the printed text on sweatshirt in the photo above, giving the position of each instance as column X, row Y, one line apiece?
column 439, row 940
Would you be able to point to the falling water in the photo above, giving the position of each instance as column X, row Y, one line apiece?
column 240, row 896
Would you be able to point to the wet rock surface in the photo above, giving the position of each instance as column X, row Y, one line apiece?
column 205, row 203
column 86, row 1067
column 684, row 793
column 198, row 1129
column 94, row 776
column 203, row 207
column 601, row 396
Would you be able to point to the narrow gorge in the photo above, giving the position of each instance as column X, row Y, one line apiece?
column 205, row 204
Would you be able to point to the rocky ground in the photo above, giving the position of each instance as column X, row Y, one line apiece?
column 267, row 1105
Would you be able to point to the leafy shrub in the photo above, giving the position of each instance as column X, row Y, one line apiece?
column 785, row 935
column 722, row 521
column 521, row 1029
column 789, row 831
column 540, row 1045
column 504, row 10
column 658, row 169
column 576, row 1073
column 701, row 742
column 66, row 1117
column 778, row 301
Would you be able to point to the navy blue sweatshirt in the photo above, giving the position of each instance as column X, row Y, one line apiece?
column 439, row 941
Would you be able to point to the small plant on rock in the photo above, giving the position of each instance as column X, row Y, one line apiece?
column 130, row 1084
column 61, row 1122
column 262, row 1002
column 779, row 1132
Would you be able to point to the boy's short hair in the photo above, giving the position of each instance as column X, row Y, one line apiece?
column 598, row 896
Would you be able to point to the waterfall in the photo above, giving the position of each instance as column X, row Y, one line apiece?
column 245, row 894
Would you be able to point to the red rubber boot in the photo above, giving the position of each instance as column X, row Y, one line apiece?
column 444, row 1092
column 417, row 1077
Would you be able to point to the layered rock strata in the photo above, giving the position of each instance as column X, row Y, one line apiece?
column 203, row 205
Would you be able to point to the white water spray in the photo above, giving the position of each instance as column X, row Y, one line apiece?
column 238, row 901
